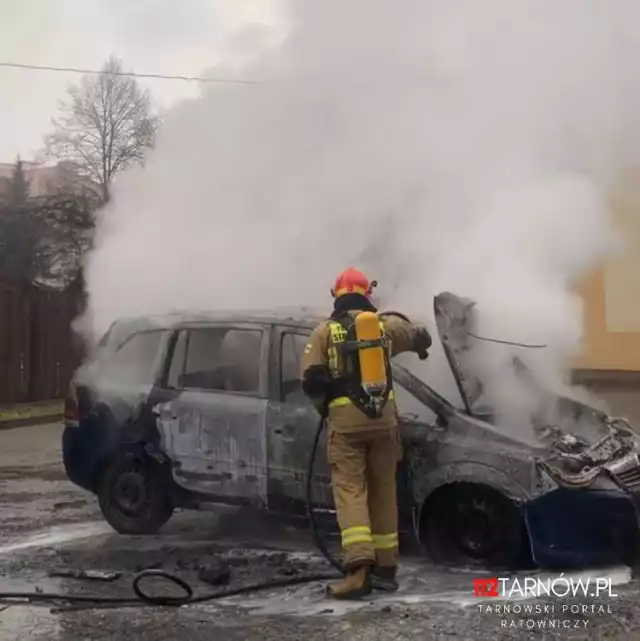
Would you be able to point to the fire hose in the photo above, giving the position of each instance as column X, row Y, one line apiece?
column 88, row 601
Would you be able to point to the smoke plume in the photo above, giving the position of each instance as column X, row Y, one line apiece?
column 441, row 146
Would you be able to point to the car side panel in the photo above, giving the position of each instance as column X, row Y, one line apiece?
column 291, row 432
column 216, row 444
column 291, row 429
column 216, row 440
column 460, row 452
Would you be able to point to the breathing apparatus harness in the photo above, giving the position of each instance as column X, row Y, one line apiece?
column 359, row 362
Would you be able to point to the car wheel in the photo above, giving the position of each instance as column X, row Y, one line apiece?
column 472, row 524
column 133, row 495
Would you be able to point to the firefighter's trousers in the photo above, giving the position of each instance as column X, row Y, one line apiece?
column 363, row 476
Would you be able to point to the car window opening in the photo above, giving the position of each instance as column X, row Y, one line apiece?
column 135, row 360
column 217, row 359
column 292, row 347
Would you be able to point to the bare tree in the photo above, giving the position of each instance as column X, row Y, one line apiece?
column 106, row 125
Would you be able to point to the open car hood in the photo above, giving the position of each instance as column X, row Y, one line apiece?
column 580, row 439
column 455, row 319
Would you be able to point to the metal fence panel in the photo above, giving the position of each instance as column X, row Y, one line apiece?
column 38, row 349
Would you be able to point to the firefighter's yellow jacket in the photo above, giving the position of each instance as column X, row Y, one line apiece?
column 343, row 415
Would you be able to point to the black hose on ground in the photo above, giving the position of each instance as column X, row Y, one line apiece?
column 144, row 599
column 88, row 601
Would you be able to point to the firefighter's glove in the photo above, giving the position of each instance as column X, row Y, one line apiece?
column 422, row 343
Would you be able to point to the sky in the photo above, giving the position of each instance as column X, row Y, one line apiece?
column 151, row 36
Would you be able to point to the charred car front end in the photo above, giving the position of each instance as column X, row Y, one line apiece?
column 575, row 478
column 187, row 411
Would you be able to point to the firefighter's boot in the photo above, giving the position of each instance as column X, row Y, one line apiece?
column 355, row 585
column 384, row 578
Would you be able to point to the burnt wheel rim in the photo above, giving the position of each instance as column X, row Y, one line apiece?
column 131, row 491
column 476, row 529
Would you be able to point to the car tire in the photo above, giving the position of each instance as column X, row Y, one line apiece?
column 474, row 525
column 133, row 495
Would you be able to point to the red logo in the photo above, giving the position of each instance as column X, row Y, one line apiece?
column 486, row 587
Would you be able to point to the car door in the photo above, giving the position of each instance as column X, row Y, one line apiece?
column 292, row 425
column 420, row 434
column 213, row 426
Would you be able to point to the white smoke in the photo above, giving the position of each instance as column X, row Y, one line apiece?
column 441, row 145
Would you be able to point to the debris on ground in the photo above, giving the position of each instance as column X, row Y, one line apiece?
column 90, row 575
column 216, row 573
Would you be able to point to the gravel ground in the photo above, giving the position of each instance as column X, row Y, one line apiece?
column 48, row 525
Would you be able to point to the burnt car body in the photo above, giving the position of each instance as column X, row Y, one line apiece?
column 185, row 411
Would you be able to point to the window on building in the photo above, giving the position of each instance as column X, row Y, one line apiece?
column 292, row 349
column 220, row 359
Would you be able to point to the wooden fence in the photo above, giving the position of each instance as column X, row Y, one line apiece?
column 38, row 350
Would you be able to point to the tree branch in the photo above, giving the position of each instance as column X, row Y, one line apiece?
column 106, row 125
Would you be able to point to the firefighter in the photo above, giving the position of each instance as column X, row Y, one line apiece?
column 346, row 373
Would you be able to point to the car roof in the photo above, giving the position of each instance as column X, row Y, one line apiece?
column 295, row 317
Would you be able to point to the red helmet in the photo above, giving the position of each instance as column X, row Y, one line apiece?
column 352, row 281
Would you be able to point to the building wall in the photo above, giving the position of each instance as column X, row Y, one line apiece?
column 610, row 362
column 612, row 295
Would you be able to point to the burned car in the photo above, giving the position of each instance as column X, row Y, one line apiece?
column 186, row 411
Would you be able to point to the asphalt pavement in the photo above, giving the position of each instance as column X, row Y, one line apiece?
column 49, row 526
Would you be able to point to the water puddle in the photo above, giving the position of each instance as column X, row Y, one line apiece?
column 419, row 585
column 619, row 575
column 57, row 535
